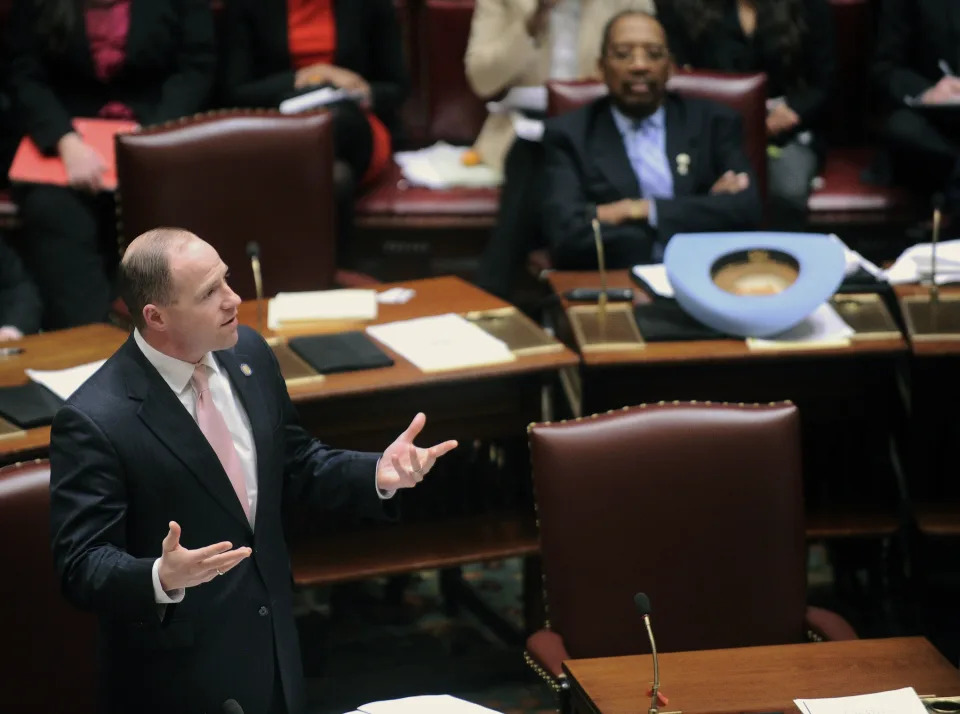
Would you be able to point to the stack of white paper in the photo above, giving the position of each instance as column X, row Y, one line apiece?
column 916, row 264
column 656, row 278
column 822, row 328
column 311, row 306
column 441, row 166
column 442, row 342
column 898, row 701
column 427, row 704
column 64, row 382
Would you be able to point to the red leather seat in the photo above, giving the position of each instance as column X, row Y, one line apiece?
column 844, row 198
column 746, row 93
column 48, row 658
column 453, row 113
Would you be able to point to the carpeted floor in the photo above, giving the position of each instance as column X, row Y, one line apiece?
column 360, row 648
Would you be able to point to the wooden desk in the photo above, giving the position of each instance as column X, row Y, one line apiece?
column 353, row 409
column 848, row 397
column 760, row 679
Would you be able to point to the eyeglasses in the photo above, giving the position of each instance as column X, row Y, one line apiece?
column 627, row 53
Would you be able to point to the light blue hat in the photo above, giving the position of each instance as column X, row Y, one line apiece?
column 695, row 261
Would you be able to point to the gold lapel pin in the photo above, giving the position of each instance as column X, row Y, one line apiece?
column 683, row 164
column 245, row 368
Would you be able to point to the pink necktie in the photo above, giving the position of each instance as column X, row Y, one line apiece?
column 213, row 426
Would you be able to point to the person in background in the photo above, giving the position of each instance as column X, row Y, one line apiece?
column 276, row 49
column 916, row 65
column 524, row 43
column 644, row 162
column 792, row 41
column 20, row 305
column 148, row 61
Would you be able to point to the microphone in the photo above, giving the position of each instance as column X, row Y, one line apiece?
column 231, row 707
column 602, row 268
column 937, row 216
column 253, row 252
column 643, row 606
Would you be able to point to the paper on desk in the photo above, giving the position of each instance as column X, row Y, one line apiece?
column 396, row 296
column 915, row 264
column 427, row 704
column 442, row 342
column 311, row 306
column 317, row 98
column 822, row 328
column 523, row 99
column 64, row 382
column 655, row 276
column 441, row 166
column 897, row 701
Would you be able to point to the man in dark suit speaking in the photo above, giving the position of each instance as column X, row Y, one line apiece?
column 170, row 468
column 646, row 163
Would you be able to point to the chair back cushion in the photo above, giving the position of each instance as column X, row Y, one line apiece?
column 454, row 113
column 746, row 93
column 699, row 506
column 235, row 177
column 48, row 656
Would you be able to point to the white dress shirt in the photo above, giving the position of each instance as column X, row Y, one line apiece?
column 177, row 374
column 564, row 36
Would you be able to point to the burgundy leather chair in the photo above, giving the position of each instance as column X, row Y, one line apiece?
column 236, row 176
column 699, row 505
column 453, row 113
column 747, row 93
column 844, row 198
column 48, row 658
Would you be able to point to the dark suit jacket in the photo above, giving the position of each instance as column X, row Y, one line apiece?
column 127, row 458
column 20, row 304
column 913, row 36
column 169, row 69
column 257, row 70
column 587, row 165
column 726, row 49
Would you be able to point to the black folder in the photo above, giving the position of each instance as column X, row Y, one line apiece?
column 663, row 320
column 343, row 352
column 29, row 405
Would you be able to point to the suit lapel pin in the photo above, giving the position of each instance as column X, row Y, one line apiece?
column 245, row 368
column 683, row 164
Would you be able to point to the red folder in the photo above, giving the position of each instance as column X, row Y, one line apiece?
column 31, row 166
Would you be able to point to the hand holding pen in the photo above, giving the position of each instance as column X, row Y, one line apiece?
column 947, row 90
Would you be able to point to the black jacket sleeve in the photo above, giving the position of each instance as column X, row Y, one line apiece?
column 810, row 100
column 721, row 212
column 244, row 83
column 896, row 38
column 20, row 304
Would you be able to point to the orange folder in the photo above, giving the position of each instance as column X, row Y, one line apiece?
column 31, row 166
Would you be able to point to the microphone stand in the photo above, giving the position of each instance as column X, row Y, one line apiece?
column 258, row 285
column 656, row 668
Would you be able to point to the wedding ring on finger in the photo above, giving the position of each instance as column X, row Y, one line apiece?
column 219, row 572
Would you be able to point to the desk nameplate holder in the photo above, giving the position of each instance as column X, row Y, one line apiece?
column 932, row 317
column 9, row 430
column 604, row 327
column 867, row 315
column 521, row 334
column 293, row 367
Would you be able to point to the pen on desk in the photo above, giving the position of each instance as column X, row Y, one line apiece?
column 10, row 351
column 945, row 68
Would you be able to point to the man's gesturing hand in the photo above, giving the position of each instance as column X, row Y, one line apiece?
column 183, row 568
column 404, row 465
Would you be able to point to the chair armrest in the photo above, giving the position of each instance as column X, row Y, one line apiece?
column 545, row 653
column 826, row 625
column 351, row 279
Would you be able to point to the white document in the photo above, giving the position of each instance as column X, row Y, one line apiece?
column 656, row 277
column 822, row 328
column 441, row 166
column 442, row 342
column 64, row 382
column 916, row 264
column 427, row 704
column 311, row 306
column 396, row 296
column 897, row 701
column 317, row 98
column 523, row 99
